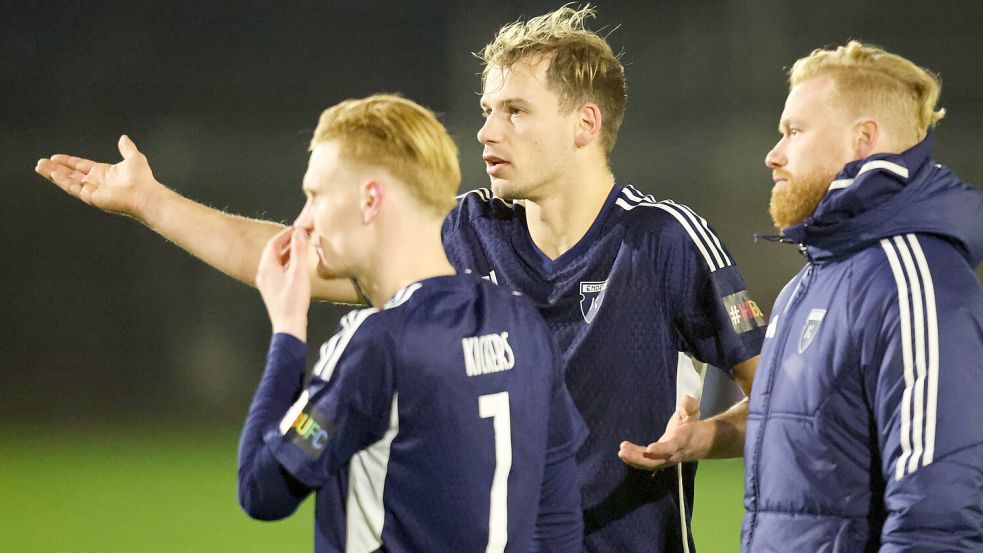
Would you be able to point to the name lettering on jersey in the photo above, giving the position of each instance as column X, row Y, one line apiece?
column 310, row 431
column 744, row 313
column 591, row 297
column 487, row 354
column 811, row 328
column 491, row 276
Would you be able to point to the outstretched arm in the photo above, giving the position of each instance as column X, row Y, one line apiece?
column 230, row 243
column 687, row 438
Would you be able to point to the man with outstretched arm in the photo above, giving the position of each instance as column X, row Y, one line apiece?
column 632, row 288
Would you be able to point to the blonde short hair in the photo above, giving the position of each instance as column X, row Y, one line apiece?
column 902, row 95
column 400, row 136
column 583, row 68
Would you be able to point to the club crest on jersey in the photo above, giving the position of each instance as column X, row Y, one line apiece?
column 744, row 313
column 811, row 328
column 591, row 296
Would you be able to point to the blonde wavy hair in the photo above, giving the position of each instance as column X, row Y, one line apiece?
column 872, row 81
column 583, row 68
column 400, row 136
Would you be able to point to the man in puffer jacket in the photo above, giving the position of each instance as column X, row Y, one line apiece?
column 865, row 430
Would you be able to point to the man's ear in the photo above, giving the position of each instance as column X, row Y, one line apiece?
column 371, row 195
column 867, row 137
column 589, row 121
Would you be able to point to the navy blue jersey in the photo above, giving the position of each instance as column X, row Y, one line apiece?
column 438, row 423
column 647, row 281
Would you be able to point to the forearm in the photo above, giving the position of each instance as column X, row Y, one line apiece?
column 266, row 491
column 559, row 524
column 230, row 243
column 725, row 432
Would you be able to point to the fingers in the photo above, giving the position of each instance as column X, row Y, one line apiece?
column 637, row 456
column 666, row 450
column 127, row 148
column 273, row 253
column 77, row 163
column 298, row 252
column 74, row 182
column 60, row 174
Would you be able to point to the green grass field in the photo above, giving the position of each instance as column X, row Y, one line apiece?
column 153, row 491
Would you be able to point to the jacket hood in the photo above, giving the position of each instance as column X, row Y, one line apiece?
column 890, row 194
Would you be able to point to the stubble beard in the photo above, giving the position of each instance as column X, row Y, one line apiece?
column 792, row 202
column 508, row 190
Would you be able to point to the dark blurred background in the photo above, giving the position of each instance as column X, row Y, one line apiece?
column 105, row 322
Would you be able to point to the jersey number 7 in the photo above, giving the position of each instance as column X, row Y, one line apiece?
column 496, row 407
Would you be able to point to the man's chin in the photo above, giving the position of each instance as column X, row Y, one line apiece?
column 790, row 205
column 326, row 273
column 506, row 191
column 498, row 187
column 785, row 216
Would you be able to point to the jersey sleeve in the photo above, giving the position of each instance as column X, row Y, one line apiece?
column 715, row 317
column 559, row 525
column 266, row 491
column 921, row 346
column 346, row 407
column 460, row 241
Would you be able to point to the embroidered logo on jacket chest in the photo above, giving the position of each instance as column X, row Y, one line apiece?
column 811, row 328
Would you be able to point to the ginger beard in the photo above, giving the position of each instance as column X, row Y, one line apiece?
column 796, row 198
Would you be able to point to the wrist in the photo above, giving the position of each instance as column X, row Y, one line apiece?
column 148, row 209
column 297, row 329
column 704, row 433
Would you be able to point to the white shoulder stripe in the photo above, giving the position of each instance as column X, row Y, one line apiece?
column 486, row 196
column 707, row 234
column 682, row 221
column 918, row 318
column 706, row 240
column 482, row 193
column 331, row 351
column 840, row 183
column 933, row 348
column 402, row 296
column 695, row 225
column 689, row 230
column 909, row 378
column 633, row 194
column 919, row 351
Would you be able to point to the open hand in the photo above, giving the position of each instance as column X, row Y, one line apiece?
column 126, row 187
column 682, row 441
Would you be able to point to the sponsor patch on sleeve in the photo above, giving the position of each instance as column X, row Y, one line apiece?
column 743, row 312
column 309, row 430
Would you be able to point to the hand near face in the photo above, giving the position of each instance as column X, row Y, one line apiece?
column 681, row 441
column 126, row 187
column 283, row 281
